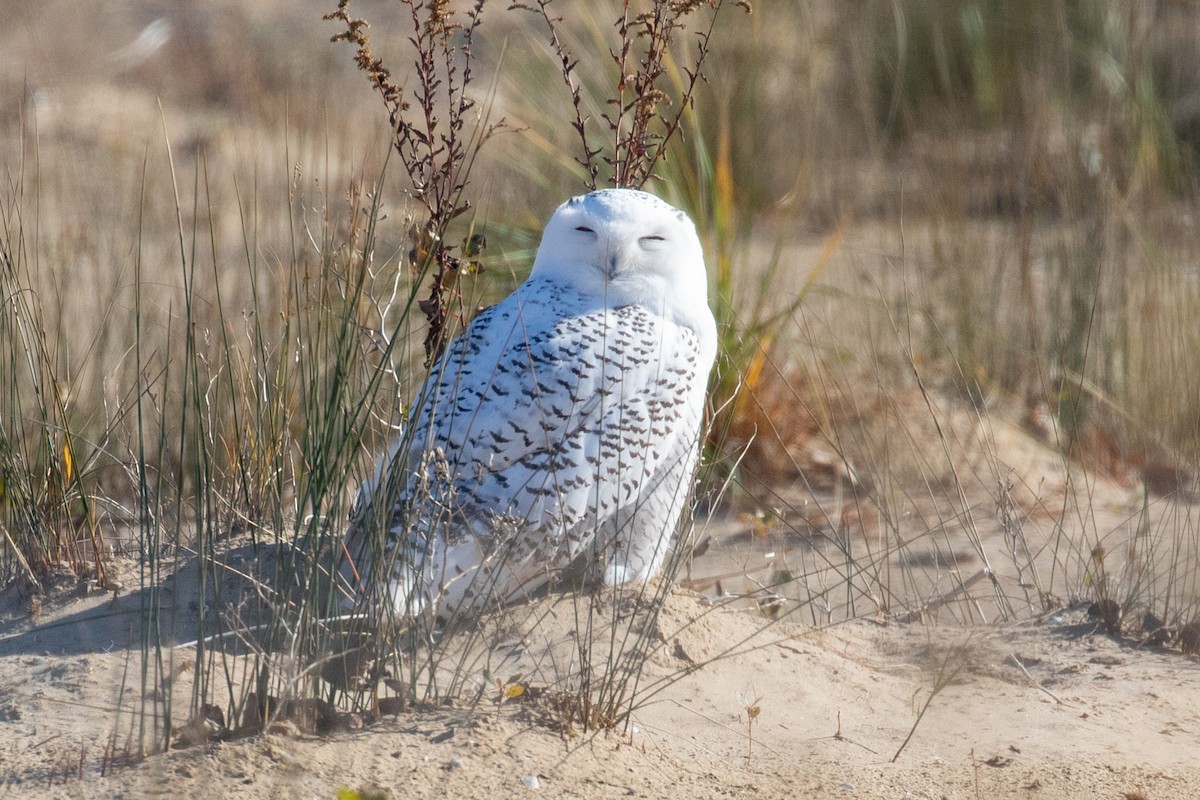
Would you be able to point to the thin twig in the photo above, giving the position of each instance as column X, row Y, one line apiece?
column 1013, row 657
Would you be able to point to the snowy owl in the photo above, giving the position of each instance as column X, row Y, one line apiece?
column 563, row 424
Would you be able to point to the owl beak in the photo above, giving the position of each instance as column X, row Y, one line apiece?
column 617, row 260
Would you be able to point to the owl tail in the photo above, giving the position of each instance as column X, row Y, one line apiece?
column 373, row 576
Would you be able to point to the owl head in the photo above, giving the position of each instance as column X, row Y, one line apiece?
column 624, row 246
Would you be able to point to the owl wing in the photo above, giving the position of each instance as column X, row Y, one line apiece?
column 554, row 412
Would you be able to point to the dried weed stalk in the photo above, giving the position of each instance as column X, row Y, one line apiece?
column 431, row 137
column 639, row 127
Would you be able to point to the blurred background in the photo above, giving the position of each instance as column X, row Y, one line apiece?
column 953, row 242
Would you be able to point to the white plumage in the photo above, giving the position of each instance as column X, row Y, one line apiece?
column 564, row 422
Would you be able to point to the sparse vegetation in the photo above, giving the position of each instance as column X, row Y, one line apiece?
column 935, row 228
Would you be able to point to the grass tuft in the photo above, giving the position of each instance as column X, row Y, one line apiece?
column 952, row 266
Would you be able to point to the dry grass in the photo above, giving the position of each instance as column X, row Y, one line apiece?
column 934, row 231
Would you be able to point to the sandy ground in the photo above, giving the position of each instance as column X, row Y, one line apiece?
column 1049, row 708
column 1027, row 703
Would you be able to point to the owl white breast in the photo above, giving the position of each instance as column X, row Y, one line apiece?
column 564, row 423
